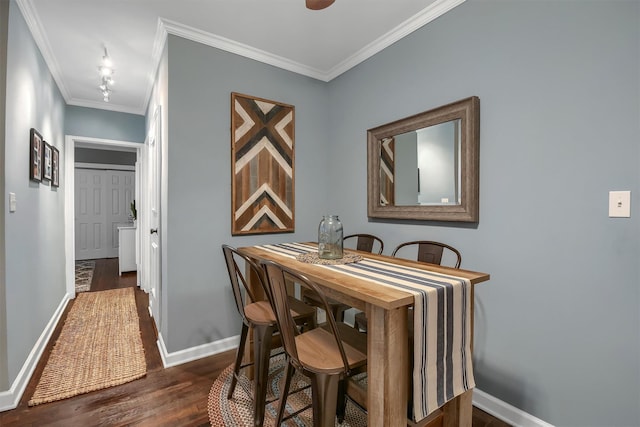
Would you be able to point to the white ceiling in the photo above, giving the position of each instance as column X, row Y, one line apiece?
column 72, row 34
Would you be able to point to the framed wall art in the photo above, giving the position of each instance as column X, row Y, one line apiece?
column 46, row 162
column 262, row 166
column 35, row 155
column 55, row 167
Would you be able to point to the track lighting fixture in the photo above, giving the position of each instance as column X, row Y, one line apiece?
column 106, row 75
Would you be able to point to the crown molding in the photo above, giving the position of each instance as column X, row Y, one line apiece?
column 241, row 49
column 37, row 32
column 428, row 14
column 433, row 11
column 165, row 27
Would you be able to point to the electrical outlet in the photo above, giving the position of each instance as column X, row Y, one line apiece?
column 619, row 204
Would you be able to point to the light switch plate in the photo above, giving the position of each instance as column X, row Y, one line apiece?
column 619, row 204
column 12, row 202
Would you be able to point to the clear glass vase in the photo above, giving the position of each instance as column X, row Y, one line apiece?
column 330, row 237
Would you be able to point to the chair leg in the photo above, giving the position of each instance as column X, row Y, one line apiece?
column 284, row 392
column 360, row 322
column 261, row 355
column 338, row 312
column 341, row 409
column 324, row 390
column 236, row 368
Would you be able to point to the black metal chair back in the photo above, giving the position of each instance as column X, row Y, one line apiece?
column 366, row 242
column 430, row 251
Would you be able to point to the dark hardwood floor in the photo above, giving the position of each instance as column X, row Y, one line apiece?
column 174, row 396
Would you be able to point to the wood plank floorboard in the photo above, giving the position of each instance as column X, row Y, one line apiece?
column 175, row 396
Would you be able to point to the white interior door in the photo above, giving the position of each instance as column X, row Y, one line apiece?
column 155, row 255
column 90, row 214
column 102, row 199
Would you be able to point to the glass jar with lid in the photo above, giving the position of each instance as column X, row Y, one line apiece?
column 330, row 237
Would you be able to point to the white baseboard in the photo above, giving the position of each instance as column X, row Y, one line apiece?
column 194, row 353
column 505, row 412
column 11, row 398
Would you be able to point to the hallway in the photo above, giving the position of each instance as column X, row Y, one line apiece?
column 165, row 397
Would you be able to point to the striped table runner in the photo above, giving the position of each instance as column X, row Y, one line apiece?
column 442, row 367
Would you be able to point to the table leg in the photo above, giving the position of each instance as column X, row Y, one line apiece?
column 459, row 411
column 387, row 361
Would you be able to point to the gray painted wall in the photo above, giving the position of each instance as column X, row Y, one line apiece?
column 201, row 79
column 35, row 262
column 92, row 122
column 557, row 327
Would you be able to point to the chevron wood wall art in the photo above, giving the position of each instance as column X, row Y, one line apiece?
column 387, row 171
column 262, row 157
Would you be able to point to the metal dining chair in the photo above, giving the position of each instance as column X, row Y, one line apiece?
column 321, row 354
column 363, row 242
column 427, row 251
column 257, row 313
column 430, row 251
column 366, row 242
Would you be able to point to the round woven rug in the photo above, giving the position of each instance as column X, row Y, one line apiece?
column 238, row 411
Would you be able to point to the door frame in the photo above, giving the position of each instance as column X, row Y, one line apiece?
column 70, row 143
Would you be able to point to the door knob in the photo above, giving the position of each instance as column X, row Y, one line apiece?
column 154, row 230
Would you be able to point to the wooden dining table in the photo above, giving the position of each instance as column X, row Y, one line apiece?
column 386, row 308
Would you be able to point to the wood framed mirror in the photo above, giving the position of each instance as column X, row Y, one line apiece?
column 426, row 166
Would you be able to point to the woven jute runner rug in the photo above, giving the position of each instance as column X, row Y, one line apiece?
column 99, row 347
column 238, row 411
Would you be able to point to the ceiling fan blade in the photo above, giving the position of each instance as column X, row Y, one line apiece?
column 318, row 4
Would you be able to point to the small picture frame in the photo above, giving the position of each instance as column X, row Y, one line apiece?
column 46, row 162
column 55, row 164
column 35, row 155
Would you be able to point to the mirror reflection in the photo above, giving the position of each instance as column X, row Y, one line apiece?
column 422, row 167
column 425, row 167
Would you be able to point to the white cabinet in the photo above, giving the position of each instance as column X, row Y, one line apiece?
column 127, row 249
